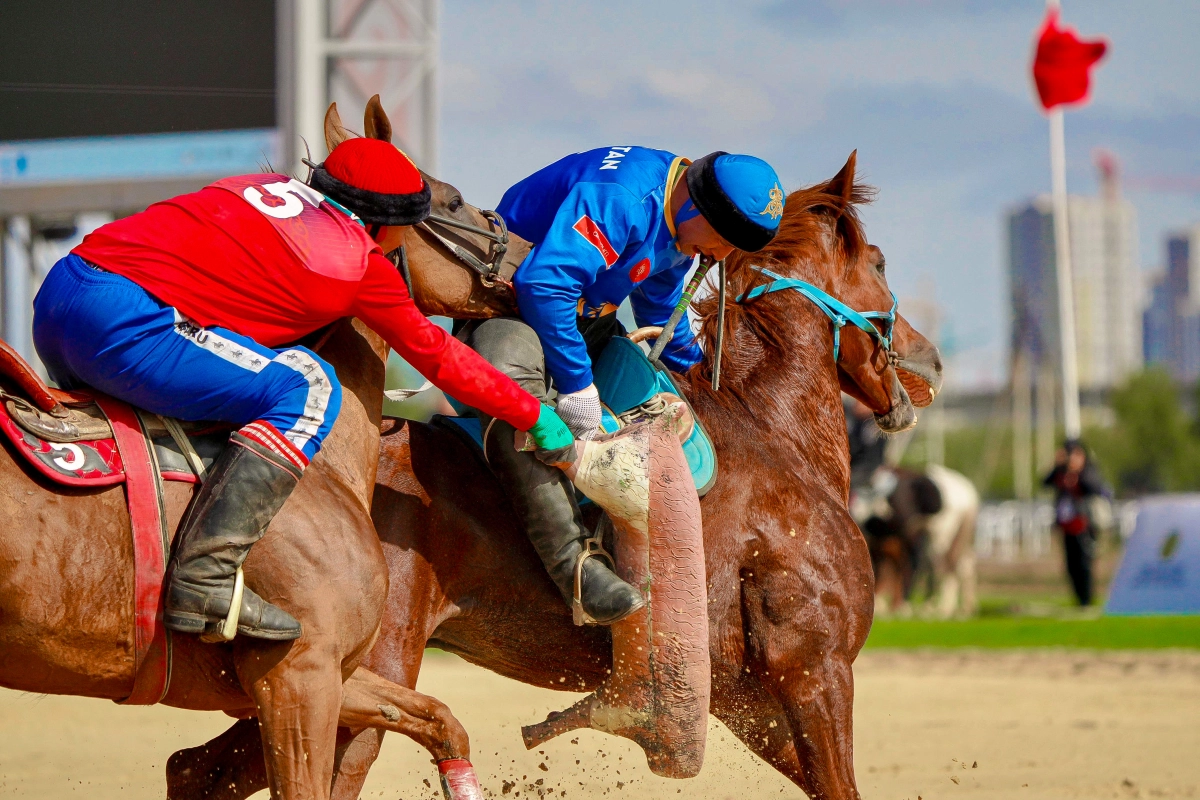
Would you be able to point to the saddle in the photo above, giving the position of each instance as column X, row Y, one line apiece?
column 68, row 437
column 87, row 439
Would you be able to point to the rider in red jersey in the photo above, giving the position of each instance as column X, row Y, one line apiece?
column 185, row 310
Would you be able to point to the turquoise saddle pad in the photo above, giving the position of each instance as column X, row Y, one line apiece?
column 626, row 379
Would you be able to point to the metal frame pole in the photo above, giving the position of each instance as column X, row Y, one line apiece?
column 17, row 296
column 429, row 138
column 310, row 18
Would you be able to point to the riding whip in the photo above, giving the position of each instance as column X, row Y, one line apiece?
column 716, row 376
column 681, row 308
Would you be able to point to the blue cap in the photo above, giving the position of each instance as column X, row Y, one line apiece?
column 739, row 197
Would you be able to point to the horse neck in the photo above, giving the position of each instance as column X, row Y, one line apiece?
column 787, row 405
column 359, row 357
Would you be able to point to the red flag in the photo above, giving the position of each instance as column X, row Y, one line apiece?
column 1062, row 62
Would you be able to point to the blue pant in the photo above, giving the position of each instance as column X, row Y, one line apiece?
column 98, row 329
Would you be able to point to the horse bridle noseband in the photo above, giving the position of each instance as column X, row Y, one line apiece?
column 489, row 270
column 838, row 312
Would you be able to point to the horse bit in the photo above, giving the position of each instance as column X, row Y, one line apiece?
column 489, row 270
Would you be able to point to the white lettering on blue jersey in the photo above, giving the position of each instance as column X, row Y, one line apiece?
column 613, row 159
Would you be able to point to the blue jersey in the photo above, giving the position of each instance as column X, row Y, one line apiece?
column 601, row 234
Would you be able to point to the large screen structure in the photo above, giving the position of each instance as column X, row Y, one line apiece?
column 95, row 91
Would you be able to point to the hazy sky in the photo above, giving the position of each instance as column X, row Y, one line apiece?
column 934, row 94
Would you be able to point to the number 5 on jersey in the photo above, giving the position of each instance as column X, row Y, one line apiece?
column 284, row 198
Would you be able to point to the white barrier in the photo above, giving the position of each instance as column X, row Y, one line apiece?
column 1014, row 530
column 1019, row 530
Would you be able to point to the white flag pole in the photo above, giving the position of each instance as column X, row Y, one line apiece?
column 1062, row 261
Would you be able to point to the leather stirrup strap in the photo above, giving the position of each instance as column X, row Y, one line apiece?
column 143, row 489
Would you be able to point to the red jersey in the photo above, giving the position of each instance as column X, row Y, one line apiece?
column 271, row 258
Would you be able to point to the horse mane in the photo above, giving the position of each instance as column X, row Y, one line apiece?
column 753, row 330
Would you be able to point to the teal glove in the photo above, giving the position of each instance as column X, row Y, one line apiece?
column 553, row 440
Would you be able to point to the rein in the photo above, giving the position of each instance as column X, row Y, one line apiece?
column 838, row 312
column 489, row 271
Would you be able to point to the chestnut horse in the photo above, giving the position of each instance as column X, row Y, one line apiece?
column 67, row 577
column 789, row 576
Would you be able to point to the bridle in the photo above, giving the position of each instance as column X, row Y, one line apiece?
column 489, row 270
column 838, row 312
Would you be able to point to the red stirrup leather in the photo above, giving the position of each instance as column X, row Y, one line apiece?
column 151, row 548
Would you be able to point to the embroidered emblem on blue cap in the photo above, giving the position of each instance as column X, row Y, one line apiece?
column 775, row 206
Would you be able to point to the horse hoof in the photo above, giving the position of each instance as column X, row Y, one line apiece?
column 458, row 780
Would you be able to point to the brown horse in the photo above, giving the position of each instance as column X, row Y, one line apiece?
column 66, row 586
column 789, row 577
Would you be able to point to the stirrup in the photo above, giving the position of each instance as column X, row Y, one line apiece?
column 228, row 628
column 593, row 547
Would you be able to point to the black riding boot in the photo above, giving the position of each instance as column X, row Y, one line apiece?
column 245, row 488
column 545, row 503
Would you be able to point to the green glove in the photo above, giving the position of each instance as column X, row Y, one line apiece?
column 552, row 438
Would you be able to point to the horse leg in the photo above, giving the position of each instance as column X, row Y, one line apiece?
column 230, row 767
column 819, row 703
column 755, row 717
column 369, row 701
column 372, row 705
column 765, row 710
column 412, row 611
column 801, row 640
column 297, row 693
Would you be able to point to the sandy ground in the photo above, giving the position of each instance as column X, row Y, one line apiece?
column 971, row 725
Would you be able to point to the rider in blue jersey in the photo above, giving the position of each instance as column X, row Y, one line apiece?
column 606, row 224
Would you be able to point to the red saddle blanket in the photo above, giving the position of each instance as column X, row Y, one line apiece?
column 95, row 463
column 89, row 463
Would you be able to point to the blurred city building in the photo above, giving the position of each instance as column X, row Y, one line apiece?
column 99, row 120
column 1107, row 283
column 1171, row 323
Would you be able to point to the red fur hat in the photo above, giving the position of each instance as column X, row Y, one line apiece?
column 376, row 181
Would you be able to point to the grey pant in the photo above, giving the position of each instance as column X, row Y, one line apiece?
column 511, row 346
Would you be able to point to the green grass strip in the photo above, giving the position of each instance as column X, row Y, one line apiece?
column 1104, row 633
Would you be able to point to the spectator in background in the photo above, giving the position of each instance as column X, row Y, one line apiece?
column 1076, row 482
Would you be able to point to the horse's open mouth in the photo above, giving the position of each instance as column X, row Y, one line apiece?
column 903, row 414
column 921, row 380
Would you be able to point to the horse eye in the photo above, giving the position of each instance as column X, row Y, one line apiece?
column 881, row 266
column 455, row 204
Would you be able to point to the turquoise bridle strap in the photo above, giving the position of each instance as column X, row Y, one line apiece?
column 838, row 312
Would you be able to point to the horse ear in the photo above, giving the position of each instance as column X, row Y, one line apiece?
column 842, row 184
column 376, row 122
column 335, row 132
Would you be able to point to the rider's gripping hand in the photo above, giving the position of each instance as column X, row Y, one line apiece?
column 552, row 439
column 581, row 411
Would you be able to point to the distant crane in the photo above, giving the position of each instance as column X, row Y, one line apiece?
column 1108, row 165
